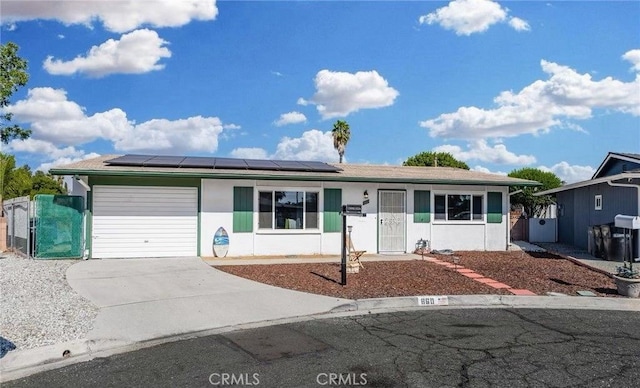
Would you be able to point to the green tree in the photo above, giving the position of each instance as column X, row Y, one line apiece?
column 46, row 184
column 435, row 159
column 13, row 74
column 533, row 205
column 19, row 182
column 341, row 134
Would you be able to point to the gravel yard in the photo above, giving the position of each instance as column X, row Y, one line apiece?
column 537, row 272
column 37, row 305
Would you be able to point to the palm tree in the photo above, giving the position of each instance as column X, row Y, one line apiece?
column 341, row 135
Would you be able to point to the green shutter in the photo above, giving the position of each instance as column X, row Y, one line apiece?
column 494, row 208
column 242, row 209
column 421, row 206
column 332, row 208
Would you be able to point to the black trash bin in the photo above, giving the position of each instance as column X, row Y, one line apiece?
column 605, row 230
column 617, row 247
column 597, row 238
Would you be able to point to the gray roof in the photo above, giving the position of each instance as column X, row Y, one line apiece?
column 628, row 178
column 628, row 155
column 348, row 173
column 635, row 158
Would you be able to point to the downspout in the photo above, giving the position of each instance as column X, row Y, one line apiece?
column 637, row 187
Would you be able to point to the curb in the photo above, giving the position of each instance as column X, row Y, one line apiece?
column 23, row 363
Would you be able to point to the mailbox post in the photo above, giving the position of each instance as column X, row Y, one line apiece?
column 347, row 210
column 628, row 224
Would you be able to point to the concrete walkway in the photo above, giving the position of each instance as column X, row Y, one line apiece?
column 582, row 256
column 143, row 299
column 297, row 259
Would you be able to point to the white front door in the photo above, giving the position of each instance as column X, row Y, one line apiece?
column 144, row 221
column 392, row 221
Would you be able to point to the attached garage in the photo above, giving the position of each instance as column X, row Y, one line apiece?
column 144, row 221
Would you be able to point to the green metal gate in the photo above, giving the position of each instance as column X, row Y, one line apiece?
column 59, row 229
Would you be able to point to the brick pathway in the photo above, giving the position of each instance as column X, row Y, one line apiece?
column 471, row 274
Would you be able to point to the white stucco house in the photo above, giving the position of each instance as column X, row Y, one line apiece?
column 159, row 206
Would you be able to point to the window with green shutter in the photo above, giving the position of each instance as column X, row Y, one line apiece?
column 332, row 208
column 242, row 209
column 494, row 208
column 421, row 206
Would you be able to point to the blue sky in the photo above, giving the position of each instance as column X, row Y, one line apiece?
column 500, row 85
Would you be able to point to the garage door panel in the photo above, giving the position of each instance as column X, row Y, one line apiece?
column 159, row 221
column 159, row 239
column 144, row 221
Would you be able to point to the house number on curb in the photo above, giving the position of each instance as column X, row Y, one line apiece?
column 433, row 300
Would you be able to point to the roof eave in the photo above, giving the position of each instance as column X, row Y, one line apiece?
column 577, row 185
column 331, row 178
column 609, row 157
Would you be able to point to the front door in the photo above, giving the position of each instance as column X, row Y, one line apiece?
column 392, row 216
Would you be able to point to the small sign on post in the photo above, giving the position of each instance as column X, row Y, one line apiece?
column 352, row 210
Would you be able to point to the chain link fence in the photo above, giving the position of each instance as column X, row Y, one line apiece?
column 59, row 226
column 18, row 216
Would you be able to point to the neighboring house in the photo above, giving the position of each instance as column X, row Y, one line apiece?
column 146, row 206
column 613, row 189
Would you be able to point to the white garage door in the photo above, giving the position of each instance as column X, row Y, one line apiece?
column 139, row 221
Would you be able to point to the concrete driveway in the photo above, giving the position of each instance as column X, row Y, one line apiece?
column 144, row 299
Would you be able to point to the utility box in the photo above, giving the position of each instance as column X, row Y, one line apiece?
column 627, row 222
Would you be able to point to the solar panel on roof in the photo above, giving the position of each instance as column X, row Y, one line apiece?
column 129, row 160
column 320, row 166
column 198, row 162
column 291, row 165
column 164, row 161
column 220, row 163
column 230, row 163
column 259, row 164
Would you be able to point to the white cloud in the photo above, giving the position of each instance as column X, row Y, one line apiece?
column 539, row 106
column 49, row 151
column 466, row 17
column 570, row 173
column 45, row 167
column 116, row 16
column 633, row 56
column 135, row 53
column 55, row 119
column 519, row 24
column 312, row 145
column 479, row 150
column 487, row 171
column 339, row 93
column 290, row 118
column 192, row 134
column 250, row 153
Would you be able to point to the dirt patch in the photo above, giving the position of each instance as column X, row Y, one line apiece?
column 537, row 272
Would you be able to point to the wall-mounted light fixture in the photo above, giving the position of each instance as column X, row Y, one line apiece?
column 365, row 197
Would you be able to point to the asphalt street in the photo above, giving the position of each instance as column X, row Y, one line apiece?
column 426, row 348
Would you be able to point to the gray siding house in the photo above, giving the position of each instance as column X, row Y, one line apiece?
column 613, row 189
